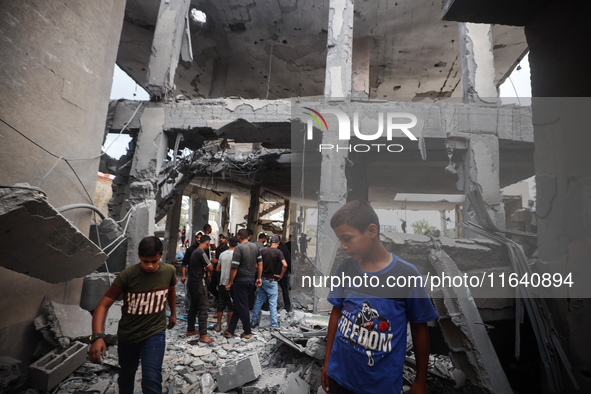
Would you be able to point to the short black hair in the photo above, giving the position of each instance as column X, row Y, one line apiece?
column 150, row 246
column 204, row 239
column 250, row 232
column 357, row 214
column 233, row 241
column 206, row 226
column 262, row 236
column 243, row 233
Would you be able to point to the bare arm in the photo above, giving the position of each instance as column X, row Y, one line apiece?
column 283, row 269
column 232, row 276
column 172, row 305
column 184, row 273
column 420, row 339
column 259, row 282
column 98, row 349
column 335, row 315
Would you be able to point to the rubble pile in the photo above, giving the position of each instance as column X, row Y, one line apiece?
column 285, row 360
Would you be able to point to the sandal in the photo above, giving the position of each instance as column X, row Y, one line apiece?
column 245, row 336
column 226, row 334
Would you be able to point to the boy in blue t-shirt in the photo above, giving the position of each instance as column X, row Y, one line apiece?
column 366, row 342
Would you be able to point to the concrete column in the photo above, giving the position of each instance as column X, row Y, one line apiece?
column 166, row 46
column 225, row 211
column 253, row 209
column 357, row 181
column 478, row 68
column 360, row 67
column 171, row 231
column 339, row 53
column 333, row 181
column 200, row 216
column 480, row 170
column 286, row 211
column 147, row 160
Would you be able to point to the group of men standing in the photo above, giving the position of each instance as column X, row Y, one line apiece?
column 241, row 266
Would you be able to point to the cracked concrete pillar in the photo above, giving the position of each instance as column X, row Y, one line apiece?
column 253, row 210
column 480, row 169
column 225, row 209
column 285, row 221
column 147, row 160
column 360, row 67
column 357, row 181
column 171, row 231
column 199, row 216
column 166, row 46
column 339, row 53
column 333, row 181
column 478, row 67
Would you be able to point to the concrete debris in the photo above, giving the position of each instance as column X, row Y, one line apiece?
column 68, row 322
column 238, row 372
column 42, row 325
column 261, row 364
column 295, row 385
column 465, row 333
column 50, row 370
column 316, row 348
column 270, row 382
column 11, row 376
column 66, row 253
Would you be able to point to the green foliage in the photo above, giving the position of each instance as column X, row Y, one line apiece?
column 421, row 226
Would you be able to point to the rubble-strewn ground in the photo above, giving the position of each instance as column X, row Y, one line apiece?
column 192, row 367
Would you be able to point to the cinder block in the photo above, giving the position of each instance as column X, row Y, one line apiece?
column 49, row 370
column 238, row 372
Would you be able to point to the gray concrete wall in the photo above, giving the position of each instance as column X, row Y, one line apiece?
column 559, row 42
column 56, row 67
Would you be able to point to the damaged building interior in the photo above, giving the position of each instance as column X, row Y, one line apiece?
column 228, row 81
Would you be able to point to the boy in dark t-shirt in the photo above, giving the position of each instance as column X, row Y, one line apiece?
column 146, row 287
column 274, row 267
column 366, row 341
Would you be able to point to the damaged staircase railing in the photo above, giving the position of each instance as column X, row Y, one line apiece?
column 551, row 350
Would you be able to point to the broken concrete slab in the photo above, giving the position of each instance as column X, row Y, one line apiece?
column 465, row 333
column 270, row 381
column 207, row 384
column 48, row 371
column 468, row 254
column 238, row 372
column 68, row 322
column 295, row 385
column 60, row 251
column 316, row 347
column 10, row 374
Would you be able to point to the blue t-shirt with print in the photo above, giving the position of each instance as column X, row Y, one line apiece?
column 369, row 348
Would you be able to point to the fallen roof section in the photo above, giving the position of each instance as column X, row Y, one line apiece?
column 39, row 242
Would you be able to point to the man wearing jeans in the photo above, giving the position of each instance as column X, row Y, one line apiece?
column 274, row 267
column 146, row 287
column 246, row 266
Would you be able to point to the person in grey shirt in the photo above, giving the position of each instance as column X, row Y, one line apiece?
column 260, row 243
column 247, row 268
column 225, row 296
